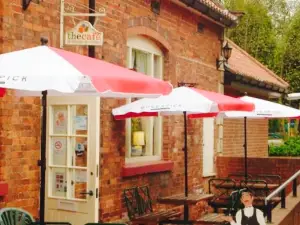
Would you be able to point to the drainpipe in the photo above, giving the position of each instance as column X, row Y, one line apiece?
column 92, row 7
column 219, row 121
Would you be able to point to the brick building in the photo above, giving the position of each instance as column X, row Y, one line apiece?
column 180, row 44
column 245, row 74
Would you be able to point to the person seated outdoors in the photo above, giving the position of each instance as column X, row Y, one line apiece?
column 248, row 215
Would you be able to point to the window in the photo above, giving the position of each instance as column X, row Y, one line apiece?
column 144, row 135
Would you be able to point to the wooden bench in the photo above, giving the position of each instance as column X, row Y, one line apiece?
column 139, row 206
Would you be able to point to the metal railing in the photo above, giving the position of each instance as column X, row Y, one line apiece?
column 282, row 190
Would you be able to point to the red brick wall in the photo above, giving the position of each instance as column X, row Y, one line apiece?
column 257, row 137
column 233, row 135
column 19, row 151
column 189, row 57
column 285, row 167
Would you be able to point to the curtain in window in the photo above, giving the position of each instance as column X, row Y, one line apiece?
column 140, row 64
column 140, row 60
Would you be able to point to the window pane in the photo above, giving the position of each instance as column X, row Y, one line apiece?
column 158, row 67
column 140, row 60
column 142, row 136
column 80, row 119
column 59, row 187
column 137, row 137
column 60, row 119
column 79, row 184
column 79, row 151
column 59, row 150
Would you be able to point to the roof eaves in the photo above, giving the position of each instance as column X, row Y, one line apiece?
column 283, row 87
column 279, row 79
column 213, row 10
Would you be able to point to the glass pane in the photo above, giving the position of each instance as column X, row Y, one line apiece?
column 80, row 119
column 59, row 182
column 140, row 61
column 79, row 153
column 142, row 136
column 59, row 150
column 79, row 184
column 158, row 67
column 60, row 119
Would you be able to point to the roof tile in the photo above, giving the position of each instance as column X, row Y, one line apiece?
column 245, row 65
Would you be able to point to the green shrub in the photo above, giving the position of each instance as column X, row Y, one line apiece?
column 291, row 147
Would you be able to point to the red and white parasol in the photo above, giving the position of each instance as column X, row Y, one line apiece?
column 195, row 102
column 59, row 71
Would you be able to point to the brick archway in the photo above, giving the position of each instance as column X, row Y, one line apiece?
column 147, row 27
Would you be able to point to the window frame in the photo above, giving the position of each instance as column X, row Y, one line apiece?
column 143, row 44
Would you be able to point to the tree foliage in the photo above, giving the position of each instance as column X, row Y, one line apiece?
column 269, row 31
column 255, row 32
column 291, row 53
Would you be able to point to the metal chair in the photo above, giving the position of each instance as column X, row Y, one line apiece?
column 15, row 216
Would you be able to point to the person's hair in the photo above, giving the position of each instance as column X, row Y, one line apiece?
column 248, row 191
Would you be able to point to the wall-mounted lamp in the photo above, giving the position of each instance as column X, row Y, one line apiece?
column 155, row 6
column 225, row 55
column 25, row 4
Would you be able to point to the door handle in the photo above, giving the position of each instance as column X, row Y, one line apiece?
column 90, row 193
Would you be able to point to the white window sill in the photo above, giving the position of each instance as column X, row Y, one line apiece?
column 209, row 174
column 142, row 159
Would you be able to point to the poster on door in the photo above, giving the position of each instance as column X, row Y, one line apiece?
column 80, row 123
column 60, row 120
column 59, row 150
column 60, row 186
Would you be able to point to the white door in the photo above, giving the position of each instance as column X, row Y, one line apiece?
column 208, row 147
column 72, row 174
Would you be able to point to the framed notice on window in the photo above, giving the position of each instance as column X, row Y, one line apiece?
column 60, row 123
column 60, row 182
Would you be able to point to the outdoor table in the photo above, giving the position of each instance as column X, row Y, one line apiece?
column 180, row 199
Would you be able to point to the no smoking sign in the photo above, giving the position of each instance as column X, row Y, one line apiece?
column 58, row 145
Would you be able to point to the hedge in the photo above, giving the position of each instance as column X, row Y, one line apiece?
column 291, row 147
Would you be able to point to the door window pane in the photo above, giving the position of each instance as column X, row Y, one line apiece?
column 59, row 151
column 79, row 184
column 60, row 119
column 80, row 119
column 80, row 148
column 59, row 187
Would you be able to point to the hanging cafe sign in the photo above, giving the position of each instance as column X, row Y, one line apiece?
column 84, row 34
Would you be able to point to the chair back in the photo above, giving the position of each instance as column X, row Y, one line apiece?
column 15, row 216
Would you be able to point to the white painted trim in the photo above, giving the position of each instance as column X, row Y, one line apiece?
column 153, row 150
column 208, row 166
column 144, row 44
column 209, row 174
column 142, row 159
